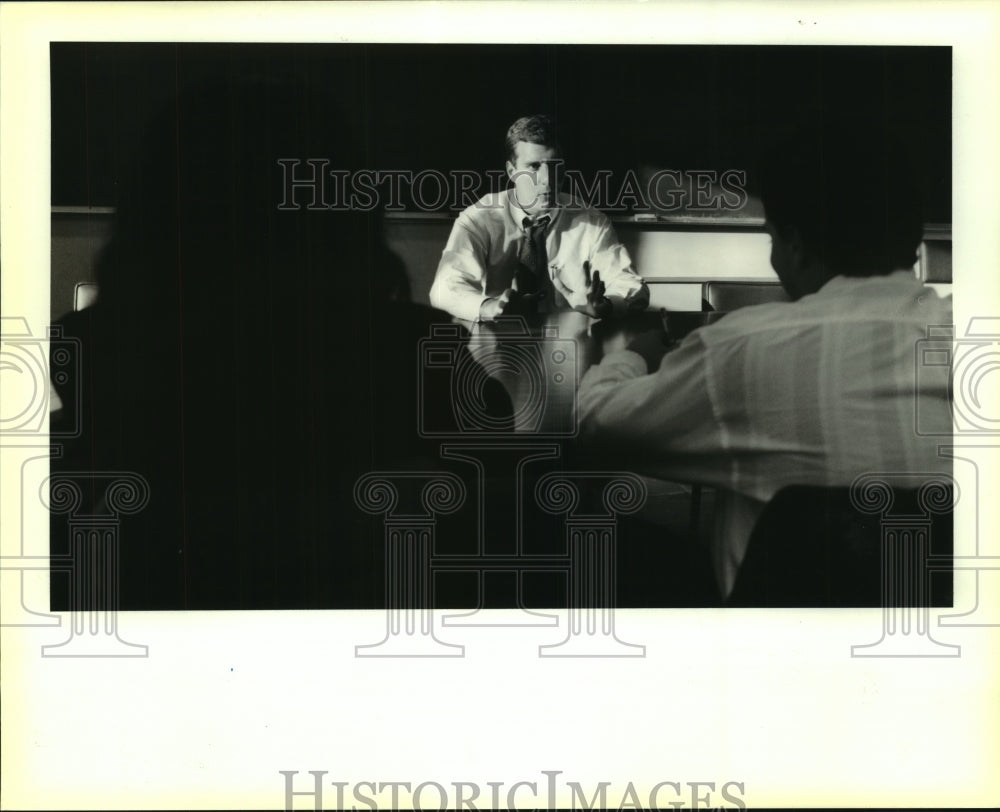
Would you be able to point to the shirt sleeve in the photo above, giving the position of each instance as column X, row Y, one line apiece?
column 458, row 283
column 612, row 259
column 668, row 415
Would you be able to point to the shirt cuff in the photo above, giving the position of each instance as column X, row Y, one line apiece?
column 479, row 309
column 620, row 305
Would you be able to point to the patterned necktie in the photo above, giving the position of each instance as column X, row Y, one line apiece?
column 532, row 274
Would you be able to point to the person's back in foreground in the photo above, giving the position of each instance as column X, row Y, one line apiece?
column 815, row 391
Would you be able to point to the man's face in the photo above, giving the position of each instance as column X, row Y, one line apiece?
column 534, row 174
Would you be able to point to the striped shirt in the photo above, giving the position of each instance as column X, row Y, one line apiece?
column 813, row 392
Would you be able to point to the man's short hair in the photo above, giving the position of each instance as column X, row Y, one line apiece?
column 536, row 129
column 850, row 193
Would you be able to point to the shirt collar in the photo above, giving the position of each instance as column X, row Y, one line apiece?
column 517, row 214
column 838, row 283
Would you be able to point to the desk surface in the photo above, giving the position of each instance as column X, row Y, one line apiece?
column 540, row 364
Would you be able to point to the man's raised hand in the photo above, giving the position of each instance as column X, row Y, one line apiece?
column 597, row 305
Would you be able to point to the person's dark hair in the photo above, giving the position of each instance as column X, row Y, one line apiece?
column 849, row 193
column 536, row 129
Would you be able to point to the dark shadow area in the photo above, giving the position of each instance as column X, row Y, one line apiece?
column 246, row 361
column 692, row 107
column 819, row 547
column 251, row 359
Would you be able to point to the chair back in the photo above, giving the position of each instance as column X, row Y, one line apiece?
column 84, row 295
column 827, row 547
column 732, row 295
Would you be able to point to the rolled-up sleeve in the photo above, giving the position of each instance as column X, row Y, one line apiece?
column 612, row 259
column 664, row 414
column 458, row 283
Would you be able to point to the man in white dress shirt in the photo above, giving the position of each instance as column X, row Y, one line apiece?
column 531, row 250
column 815, row 391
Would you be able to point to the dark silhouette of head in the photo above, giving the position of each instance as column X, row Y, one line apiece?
column 840, row 199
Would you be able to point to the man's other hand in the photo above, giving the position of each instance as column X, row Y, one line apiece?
column 651, row 345
column 598, row 305
column 509, row 303
column 491, row 308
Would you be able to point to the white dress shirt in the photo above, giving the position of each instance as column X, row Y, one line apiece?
column 481, row 256
column 813, row 392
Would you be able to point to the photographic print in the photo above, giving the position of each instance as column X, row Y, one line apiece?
column 617, row 384
column 277, row 291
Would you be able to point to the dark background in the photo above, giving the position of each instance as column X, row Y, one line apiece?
column 303, row 373
column 447, row 107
